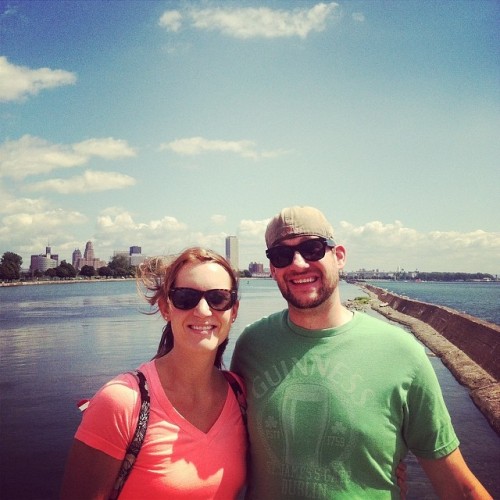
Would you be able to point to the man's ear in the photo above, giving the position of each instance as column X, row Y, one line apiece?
column 340, row 255
column 273, row 271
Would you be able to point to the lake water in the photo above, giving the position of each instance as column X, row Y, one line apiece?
column 480, row 299
column 60, row 343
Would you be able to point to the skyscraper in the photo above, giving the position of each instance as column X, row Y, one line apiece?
column 89, row 258
column 88, row 254
column 76, row 257
column 232, row 251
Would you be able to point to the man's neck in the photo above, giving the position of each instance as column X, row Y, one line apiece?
column 326, row 315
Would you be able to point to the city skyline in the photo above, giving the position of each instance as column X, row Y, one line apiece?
column 176, row 123
column 260, row 268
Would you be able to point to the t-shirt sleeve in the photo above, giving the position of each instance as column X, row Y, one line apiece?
column 107, row 423
column 429, row 432
column 235, row 365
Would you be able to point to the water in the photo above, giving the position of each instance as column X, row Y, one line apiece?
column 480, row 299
column 60, row 343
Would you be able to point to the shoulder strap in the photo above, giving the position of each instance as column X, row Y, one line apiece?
column 140, row 432
column 238, row 392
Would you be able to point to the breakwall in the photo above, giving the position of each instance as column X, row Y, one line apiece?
column 468, row 346
column 478, row 339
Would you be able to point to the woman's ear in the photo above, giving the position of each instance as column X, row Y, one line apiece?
column 164, row 308
column 234, row 311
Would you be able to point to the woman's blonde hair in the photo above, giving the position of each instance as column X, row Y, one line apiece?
column 156, row 277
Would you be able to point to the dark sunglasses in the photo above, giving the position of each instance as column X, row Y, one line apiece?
column 311, row 250
column 188, row 298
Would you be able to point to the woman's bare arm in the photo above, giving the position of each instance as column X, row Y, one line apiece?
column 90, row 474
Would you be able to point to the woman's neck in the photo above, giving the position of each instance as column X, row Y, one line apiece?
column 191, row 372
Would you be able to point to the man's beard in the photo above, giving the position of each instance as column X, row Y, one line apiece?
column 323, row 294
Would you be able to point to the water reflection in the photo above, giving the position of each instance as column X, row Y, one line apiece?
column 61, row 343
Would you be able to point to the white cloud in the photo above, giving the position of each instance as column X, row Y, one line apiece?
column 107, row 148
column 251, row 22
column 116, row 228
column 11, row 205
column 198, row 145
column 193, row 146
column 117, row 221
column 373, row 245
column 218, row 219
column 90, row 181
column 18, row 82
column 453, row 240
column 43, row 220
column 171, row 20
column 249, row 229
column 33, row 156
column 397, row 236
column 359, row 17
column 29, row 230
column 377, row 232
column 376, row 245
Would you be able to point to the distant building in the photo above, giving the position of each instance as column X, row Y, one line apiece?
column 43, row 262
column 136, row 259
column 133, row 256
column 88, row 259
column 232, row 254
column 121, row 253
column 76, row 257
column 256, row 268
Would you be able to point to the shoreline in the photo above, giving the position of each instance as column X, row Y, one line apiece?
column 62, row 282
column 483, row 387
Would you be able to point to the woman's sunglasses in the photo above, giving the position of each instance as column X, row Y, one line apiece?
column 188, row 298
column 311, row 250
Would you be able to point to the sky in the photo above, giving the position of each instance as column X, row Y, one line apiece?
column 167, row 124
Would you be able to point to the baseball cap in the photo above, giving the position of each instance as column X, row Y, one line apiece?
column 297, row 221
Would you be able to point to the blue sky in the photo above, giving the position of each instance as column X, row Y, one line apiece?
column 166, row 124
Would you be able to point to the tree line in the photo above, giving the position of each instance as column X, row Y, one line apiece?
column 10, row 269
column 437, row 276
column 423, row 276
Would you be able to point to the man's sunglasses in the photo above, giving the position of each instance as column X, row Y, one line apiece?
column 311, row 250
column 188, row 298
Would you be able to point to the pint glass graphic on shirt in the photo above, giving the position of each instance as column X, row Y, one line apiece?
column 304, row 422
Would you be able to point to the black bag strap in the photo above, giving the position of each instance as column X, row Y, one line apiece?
column 140, row 432
column 238, row 392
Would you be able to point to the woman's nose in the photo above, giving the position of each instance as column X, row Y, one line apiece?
column 202, row 308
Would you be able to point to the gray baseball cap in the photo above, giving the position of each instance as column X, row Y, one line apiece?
column 297, row 221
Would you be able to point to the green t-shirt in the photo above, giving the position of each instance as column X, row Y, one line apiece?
column 331, row 412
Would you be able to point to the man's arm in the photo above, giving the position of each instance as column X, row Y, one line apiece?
column 452, row 479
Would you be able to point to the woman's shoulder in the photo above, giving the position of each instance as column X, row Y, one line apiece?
column 123, row 390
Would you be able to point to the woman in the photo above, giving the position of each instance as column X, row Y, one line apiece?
column 195, row 444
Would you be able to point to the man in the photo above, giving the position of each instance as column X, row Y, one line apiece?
column 335, row 398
